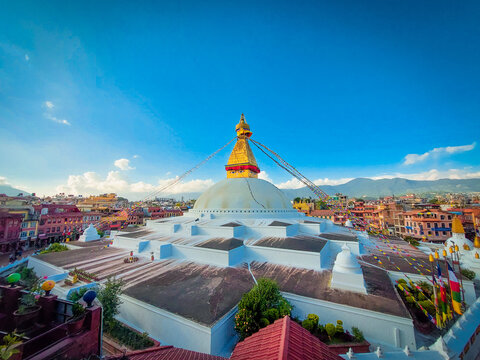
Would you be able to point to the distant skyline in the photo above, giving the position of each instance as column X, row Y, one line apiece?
column 123, row 96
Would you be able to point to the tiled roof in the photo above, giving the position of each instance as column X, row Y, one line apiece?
column 282, row 340
column 165, row 353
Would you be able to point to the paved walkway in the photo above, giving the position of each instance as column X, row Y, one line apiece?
column 4, row 258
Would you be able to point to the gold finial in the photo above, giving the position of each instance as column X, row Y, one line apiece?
column 476, row 242
column 242, row 128
column 456, row 248
column 436, row 255
column 444, row 253
column 242, row 163
column 457, row 226
column 450, row 249
column 430, row 258
column 476, row 255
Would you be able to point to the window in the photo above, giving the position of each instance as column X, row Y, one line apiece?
column 436, row 233
column 58, row 229
column 428, row 225
column 442, row 217
column 31, row 233
column 449, row 217
column 444, row 232
column 23, row 234
column 443, row 225
column 24, row 225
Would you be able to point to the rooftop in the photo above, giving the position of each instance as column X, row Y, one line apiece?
column 299, row 243
column 381, row 296
column 165, row 353
column 221, row 244
column 202, row 293
column 283, row 340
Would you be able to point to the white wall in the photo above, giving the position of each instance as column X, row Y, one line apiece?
column 201, row 255
column 164, row 326
column 301, row 259
column 378, row 328
column 43, row 268
column 224, row 337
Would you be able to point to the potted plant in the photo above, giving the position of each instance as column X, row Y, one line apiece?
column 27, row 313
column 10, row 349
column 78, row 316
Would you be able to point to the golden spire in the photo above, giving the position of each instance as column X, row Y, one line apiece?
column 476, row 242
column 457, row 226
column 242, row 163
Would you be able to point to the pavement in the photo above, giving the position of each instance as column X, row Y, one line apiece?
column 5, row 258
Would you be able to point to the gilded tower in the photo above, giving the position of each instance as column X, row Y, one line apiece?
column 242, row 163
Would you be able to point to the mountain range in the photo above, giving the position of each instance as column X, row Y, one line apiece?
column 11, row 191
column 368, row 188
column 362, row 187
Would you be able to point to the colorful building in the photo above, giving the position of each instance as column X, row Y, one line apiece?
column 428, row 224
column 10, row 228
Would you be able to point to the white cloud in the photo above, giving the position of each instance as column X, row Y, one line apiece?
column 3, row 180
column 415, row 158
column 264, row 176
column 433, row 174
column 49, row 104
column 294, row 183
column 115, row 181
column 57, row 120
column 27, row 58
column 123, row 164
column 136, row 156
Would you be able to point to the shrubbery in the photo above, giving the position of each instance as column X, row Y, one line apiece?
column 55, row 247
column 469, row 274
column 260, row 307
column 127, row 336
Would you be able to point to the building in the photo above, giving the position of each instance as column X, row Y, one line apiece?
column 158, row 212
column 102, row 203
column 192, row 270
column 57, row 222
column 10, row 229
column 429, row 224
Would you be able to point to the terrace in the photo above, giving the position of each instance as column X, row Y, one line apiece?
column 51, row 332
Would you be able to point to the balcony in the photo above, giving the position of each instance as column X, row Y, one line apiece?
column 50, row 333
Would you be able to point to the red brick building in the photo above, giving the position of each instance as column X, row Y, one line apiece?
column 10, row 228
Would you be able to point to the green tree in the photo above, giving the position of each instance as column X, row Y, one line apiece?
column 339, row 327
column 109, row 296
column 261, row 306
column 297, row 199
column 331, row 330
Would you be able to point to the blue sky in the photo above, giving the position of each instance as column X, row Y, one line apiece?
column 340, row 89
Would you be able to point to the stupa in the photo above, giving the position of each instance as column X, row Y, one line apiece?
column 347, row 273
column 458, row 237
column 468, row 251
column 90, row 234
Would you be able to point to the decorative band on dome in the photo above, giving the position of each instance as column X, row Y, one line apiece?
column 253, row 168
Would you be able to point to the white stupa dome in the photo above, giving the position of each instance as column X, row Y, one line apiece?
column 244, row 196
column 348, row 223
column 346, row 262
column 89, row 234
